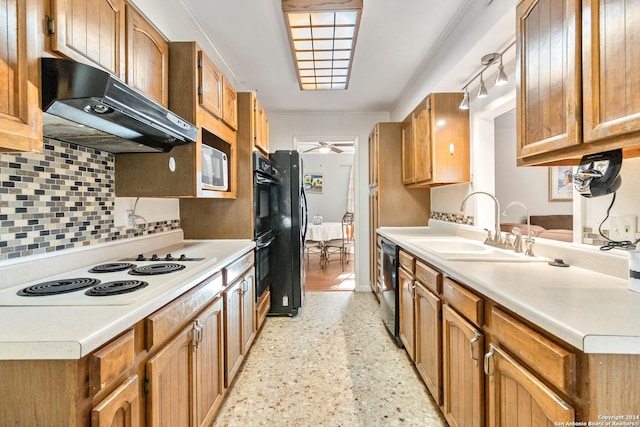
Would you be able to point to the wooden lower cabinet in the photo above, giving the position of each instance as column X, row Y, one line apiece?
column 462, row 348
column 240, row 323
column 406, row 288
column 184, row 378
column 517, row 398
column 428, row 342
column 120, row 409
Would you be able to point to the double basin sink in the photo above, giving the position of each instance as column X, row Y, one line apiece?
column 453, row 248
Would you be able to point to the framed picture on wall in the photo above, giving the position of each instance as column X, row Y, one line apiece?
column 560, row 183
column 313, row 183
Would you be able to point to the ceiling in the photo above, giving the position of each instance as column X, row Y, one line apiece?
column 394, row 42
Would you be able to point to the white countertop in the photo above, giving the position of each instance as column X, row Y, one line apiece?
column 71, row 332
column 592, row 311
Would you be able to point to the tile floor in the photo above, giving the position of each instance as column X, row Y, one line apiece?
column 332, row 365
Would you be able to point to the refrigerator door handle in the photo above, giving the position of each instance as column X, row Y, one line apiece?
column 305, row 215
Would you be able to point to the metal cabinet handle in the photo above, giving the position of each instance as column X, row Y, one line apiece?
column 476, row 337
column 486, row 360
column 413, row 290
column 198, row 333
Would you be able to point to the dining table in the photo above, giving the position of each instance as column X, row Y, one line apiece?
column 324, row 232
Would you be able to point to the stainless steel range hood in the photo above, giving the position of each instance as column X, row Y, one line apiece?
column 87, row 106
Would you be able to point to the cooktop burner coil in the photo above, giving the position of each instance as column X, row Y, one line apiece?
column 55, row 287
column 163, row 268
column 111, row 267
column 116, row 288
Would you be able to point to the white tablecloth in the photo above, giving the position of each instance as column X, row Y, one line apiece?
column 325, row 231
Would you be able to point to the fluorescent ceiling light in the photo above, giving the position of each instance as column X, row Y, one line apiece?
column 323, row 37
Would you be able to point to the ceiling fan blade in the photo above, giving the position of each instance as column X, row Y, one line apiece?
column 335, row 150
column 311, row 149
column 343, row 144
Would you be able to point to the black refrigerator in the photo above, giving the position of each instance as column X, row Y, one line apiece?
column 289, row 225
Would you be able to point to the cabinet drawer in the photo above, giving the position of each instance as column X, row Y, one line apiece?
column 430, row 278
column 237, row 268
column 407, row 261
column 465, row 302
column 109, row 362
column 546, row 358
column 162, row 324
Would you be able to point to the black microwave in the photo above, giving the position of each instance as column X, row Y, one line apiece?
column 215, row 169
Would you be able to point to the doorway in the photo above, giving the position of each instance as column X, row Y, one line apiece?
column 328, row 170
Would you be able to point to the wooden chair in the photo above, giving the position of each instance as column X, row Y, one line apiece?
column 342, row 246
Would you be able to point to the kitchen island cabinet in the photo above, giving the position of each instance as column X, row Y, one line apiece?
column 20, row 114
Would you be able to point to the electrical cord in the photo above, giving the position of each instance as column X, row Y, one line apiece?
column 612, row 244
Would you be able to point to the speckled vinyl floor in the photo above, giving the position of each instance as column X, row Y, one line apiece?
column 332, row 365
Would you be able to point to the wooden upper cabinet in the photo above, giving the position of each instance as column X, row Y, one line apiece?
column 90, row 31
column 210, row 85
column 577, row 80
column 261, row 136
column 408, row 164
column 611, row 70
column 147, row 58
column 549, row 98
column 20, row 116
column 229, row 104
column 435, row 146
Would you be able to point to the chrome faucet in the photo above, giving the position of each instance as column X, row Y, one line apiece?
column 529, row 241
column 496, row 240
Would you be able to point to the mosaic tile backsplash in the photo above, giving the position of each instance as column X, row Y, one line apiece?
column 59, row 199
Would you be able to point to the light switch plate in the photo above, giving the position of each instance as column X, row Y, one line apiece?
column 623, row 227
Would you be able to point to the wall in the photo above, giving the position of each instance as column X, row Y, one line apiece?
column 285, row 127
column 331, row 204
column 63, row 198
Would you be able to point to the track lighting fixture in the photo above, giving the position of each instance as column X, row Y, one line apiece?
column 501, row 77
column 464, row 105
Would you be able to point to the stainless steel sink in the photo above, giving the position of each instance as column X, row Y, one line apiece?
column 459, row 249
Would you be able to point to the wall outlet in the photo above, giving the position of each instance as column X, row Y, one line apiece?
column 623, row 227
column 129, row 220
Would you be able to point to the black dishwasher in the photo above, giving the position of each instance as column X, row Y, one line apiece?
column 389, row 297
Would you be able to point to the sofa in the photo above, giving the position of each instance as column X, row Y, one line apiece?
column 554, row 227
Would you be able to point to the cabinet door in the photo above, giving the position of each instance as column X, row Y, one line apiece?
column 90, row 31
column 610, row 65
column 147, row 58
column 210, row 82
column 261, row 128
column 20, row 116
column 408, row 155
column 170, row 382
column 549, row 103
column 462, row 346
column 120, row 409
column 422, row 141
column 429, row 339
column 373, row 224
column 229, row 104
column 248, row 292
column 406, row 288
column 373, row 157
column 518, row 399
column 209, row 364
column 232, row 331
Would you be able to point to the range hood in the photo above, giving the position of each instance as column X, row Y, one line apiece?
column 87, row 106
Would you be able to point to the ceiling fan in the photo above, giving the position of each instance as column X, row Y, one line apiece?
column 326, row 147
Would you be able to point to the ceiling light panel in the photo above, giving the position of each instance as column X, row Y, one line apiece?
column 323, row 35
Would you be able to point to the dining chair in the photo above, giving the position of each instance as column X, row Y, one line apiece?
column 343, row 246
column 314, row 247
